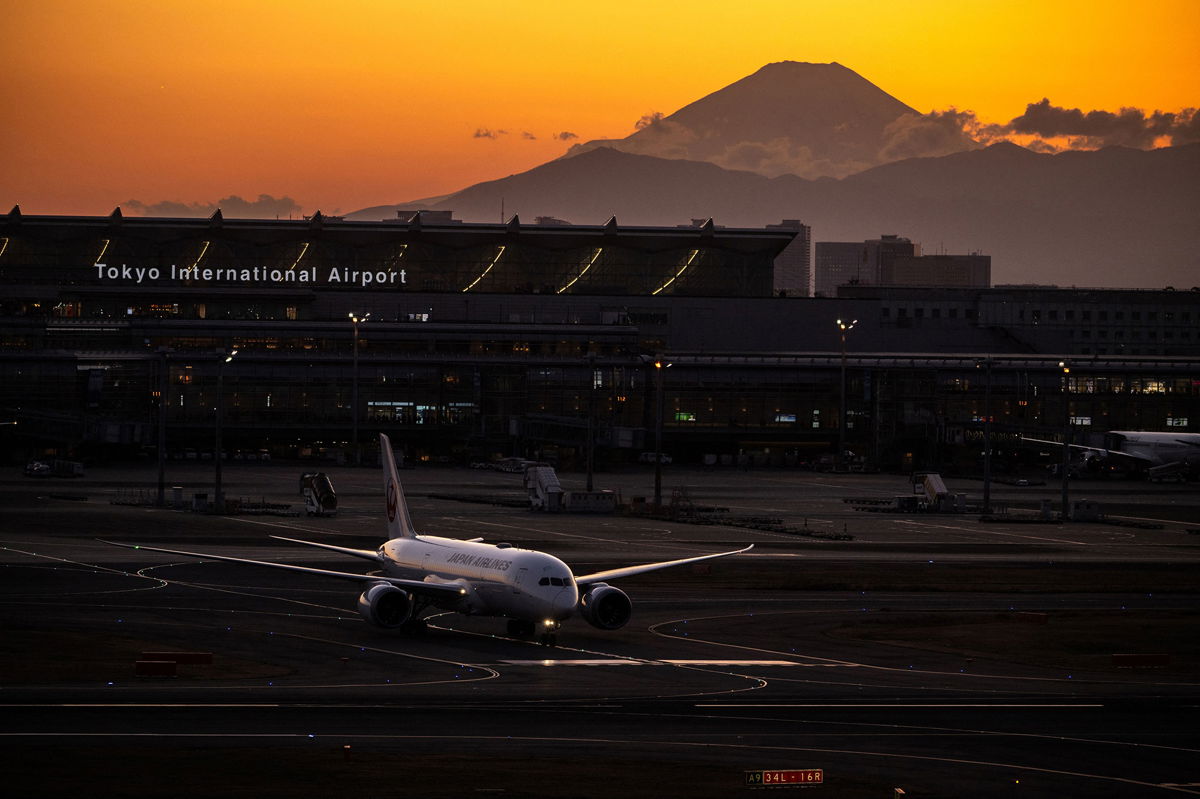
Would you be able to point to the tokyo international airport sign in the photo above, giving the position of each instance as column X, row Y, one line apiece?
column 252, row 276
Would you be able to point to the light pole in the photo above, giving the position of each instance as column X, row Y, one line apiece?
column 987, row 436
column 219, row 498
column 1066, row 448
column 843, row 328
column 355, row 319
column 659, row 367
column 163, row 388
column 591, row 420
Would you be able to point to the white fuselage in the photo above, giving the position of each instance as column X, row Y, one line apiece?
column 1158, row 448
column 499, row 580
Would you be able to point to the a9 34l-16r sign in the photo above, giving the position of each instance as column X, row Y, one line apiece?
column 768, row 778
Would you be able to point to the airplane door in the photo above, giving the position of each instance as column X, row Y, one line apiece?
column 522, row 573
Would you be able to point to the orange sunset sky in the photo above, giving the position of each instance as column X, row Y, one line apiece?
column 350, row 104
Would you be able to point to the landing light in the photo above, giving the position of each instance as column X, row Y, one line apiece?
column 548, row 622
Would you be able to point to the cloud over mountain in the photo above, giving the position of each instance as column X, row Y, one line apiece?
column 1044, row 127
column 1129, row 127
column 264, row 207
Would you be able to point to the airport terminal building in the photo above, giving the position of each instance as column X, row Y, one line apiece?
column 480, row 339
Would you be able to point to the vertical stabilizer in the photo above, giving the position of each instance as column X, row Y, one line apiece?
column 399, row 523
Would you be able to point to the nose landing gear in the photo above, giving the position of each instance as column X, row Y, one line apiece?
column 546, row 632
column 549, row 636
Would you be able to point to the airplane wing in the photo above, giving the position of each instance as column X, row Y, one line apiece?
column 1107, row 453
column 629, row 571
column 435, row 590
column 365, row 554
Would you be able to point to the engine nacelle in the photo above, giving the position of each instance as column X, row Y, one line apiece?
column 384, row 605
column 605, row 607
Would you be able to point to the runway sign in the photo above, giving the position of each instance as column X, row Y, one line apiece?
column 781, row 778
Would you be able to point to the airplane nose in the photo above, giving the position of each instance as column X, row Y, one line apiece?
column 564, row 602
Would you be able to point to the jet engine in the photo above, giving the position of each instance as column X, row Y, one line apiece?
column 605, row 607
column 386, row 606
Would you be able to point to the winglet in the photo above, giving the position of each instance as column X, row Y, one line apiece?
column 399, row 523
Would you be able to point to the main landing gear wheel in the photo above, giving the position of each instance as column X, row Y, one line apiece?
column 414, row 627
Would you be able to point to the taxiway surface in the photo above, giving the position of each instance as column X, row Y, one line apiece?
column 734, row 666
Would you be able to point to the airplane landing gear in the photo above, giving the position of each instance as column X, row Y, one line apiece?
column 549, row 635
column 528, row 630
column 414, row 627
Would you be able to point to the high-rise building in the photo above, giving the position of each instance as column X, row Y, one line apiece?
column 894, row 260
column 839, row 263
column 883, row 252
column 793, row 266
column 965, row 271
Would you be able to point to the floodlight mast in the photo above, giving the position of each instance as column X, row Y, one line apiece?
column 987, row 434
column 659, row 367
column 843, row 328
column 355, row 320
column 223, row 358
column 1065, row 366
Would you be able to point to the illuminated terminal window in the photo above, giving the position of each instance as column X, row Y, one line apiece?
column 390, row 411
column 1177, row 421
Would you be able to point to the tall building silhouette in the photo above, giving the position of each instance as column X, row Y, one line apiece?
column 793, row 266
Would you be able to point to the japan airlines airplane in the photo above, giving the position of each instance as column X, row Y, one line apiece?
column 534, row 590
column 1154, row 453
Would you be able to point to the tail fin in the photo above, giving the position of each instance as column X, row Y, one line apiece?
column 399, row 523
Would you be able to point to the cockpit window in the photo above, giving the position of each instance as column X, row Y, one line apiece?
column 559, row 581
column 544, row 581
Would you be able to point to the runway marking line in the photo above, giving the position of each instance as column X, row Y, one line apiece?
column 659, row 662
column 153, row 704
column 977, row 531
column 847, row 706
column 310, row 530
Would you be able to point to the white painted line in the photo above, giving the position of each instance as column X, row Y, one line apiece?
column 669, row 662
column 578, row 662
column 153, row 704
column 734, row 663
column 849, row 706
